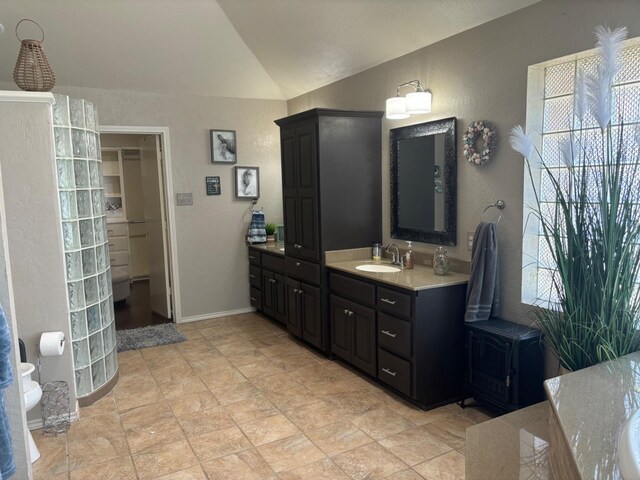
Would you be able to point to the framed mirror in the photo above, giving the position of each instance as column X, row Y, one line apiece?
column 423, row 182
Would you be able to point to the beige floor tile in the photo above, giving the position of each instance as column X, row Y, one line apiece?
column 293, row 361
column 314, row 416
column 164, row 460
column 172, row 373
column 190, row 403
column 262, row 368
column 478, row 414
column 246, row 465
column 369, row 462
column 352, row 403
column 321, row 470
column 206, row 363
column 405, row 475
column 340, row 385
column 53, row 454
column 269, row 429
column 104, row 405
column 94, row 426
column 96, row 449
column 414, row 446
column 138, row 367
column 191, row 334
column 290, row 453
column 183, row 386
column 256, row 332
column 292, row 398
column 252, row 409
column 219, row 443
column 164, row 351
column 131, row 355
column 275, row 383
column 450, row 430
column 381, row 422
column 193, row 473
column 234, row 348
column 316, row 373
column 449, row 466
column 146, row 414
column 205, row 421
column 247, row 358
column 235, row 392
column 270, row 341
column 217, row 338
column 135, row 391
column 116, row 469
column 151, row 435
column 216, row 377
column 200, row 345
column 285, row 348
column 168, row 359
column 338, row 437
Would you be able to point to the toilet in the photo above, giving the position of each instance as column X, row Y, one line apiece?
column 32, row 396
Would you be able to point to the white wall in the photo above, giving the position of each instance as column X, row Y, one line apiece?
column 34, row 234
column 213, row 266
column 481, row 74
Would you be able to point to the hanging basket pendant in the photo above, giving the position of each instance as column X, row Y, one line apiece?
column 33, row 72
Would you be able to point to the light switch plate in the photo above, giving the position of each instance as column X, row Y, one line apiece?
column 470, row 240
column 184, row 199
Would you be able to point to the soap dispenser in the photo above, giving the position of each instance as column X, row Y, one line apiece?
column 408, row 257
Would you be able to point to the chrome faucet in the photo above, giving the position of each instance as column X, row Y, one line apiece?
column 395, row 257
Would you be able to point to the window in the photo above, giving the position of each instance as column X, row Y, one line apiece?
column 550, row 108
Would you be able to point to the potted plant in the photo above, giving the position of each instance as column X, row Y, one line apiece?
column 593, row 229
column 271, row 230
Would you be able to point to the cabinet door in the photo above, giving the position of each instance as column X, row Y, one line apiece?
column 294, row 317
column 280, row 298
column 268, row 292
column 289, row 188
column 290, row 213
column 311, row 314
column 340, row 328
column 363, row 323
column 308, row 238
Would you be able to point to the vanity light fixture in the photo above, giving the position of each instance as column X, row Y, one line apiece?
column 399, row 107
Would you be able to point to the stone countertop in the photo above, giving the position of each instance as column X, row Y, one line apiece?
column 417, row 278
column 591, row 406
column 274, row 248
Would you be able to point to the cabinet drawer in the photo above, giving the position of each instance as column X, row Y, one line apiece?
column 394, row 302
column 255, row 276
column 254, row 257
column 301, row 270
column 273, row 263
column 119, row 259
column 255, row 296
column 357, row 290
column 117, row 229
column 394, row 371
column 117, row 244
column 394, row 335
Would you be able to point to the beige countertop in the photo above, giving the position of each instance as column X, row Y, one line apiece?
column 417, row 278
column 591, row 406
column 275, row 248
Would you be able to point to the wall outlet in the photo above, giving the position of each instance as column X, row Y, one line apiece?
column 184, row 199
column 470, row 240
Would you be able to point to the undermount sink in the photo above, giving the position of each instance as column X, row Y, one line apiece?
column 368, row 267
column 629, row 447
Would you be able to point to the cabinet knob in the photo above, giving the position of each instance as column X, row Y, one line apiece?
column 386, row 370
column 298, row 264
column 300, row 292
column 272, row 280
column 392, row 335
column 386, row 300
column 350, row 313
column 295, row 290
column 251, row 257
column 346, row 312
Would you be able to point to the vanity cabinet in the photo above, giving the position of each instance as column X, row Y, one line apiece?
column 331, row 192
column 304, row 312
column 267, row 283
column 410, row 340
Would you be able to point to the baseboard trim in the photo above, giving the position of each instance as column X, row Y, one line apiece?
column 228, row 313
column 37, row 423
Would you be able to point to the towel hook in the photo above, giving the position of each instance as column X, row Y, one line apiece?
column 499, row 204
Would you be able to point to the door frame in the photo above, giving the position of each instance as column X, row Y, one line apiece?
column 169, row 207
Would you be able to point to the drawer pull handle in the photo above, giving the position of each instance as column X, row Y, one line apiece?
column 252, row 276
column 253, row 299
column 386, row 370
column 392, row 335
column 346, row 312
column 272, row 280
column 386, row 300
column 300, row 292
column 111, row 244
column 295, row 290
column 350, row 313
column 109, row 231
column 251, row 257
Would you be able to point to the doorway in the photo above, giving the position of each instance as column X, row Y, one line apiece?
column 139, row 228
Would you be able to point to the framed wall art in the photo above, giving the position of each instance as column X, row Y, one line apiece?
column 223, row 146
column 247, row 182
column 213, row 185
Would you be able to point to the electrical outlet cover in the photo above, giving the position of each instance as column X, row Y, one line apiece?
column 184, row 199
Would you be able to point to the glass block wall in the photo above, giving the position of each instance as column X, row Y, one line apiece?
column 84, row 227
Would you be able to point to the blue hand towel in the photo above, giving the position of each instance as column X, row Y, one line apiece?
column 257, row 232
column 7, row 466
column 483, row 289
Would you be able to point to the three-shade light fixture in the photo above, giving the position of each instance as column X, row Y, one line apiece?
column 416, row 102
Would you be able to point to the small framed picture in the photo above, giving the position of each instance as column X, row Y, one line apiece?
column 213, row 185
column 247, row 182
column 223, row 146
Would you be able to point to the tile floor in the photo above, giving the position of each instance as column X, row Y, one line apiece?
column 242, row 400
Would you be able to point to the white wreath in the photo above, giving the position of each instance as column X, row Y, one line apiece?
column 479, row 129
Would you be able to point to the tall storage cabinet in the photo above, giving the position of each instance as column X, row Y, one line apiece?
column 331, row 184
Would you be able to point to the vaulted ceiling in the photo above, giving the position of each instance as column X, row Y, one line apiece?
column 273, row 49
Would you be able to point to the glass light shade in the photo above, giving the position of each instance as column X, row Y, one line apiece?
column 397, row 108
column 418, row 102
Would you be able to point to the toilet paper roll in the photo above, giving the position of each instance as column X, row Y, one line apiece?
column 52, row 344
